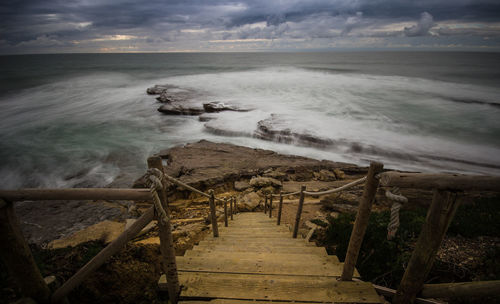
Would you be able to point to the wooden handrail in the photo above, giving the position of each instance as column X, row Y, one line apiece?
column 103, row 255
column 359, row 228
column 76, row 194
column 440, row 181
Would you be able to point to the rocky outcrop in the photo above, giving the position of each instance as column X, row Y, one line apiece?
column 158, row 89
column 171, row 109
column 215, row 107
column 325, row 176
column 206, row 165
column 275, row 128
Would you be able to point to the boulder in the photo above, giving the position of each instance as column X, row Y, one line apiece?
column 278, row 175
column 249, row 202
column 170, row 109
column 241, row 185
column 325, row 176
column 157, row 89
column 261, row 182
column 214, row 107
column 339, row 173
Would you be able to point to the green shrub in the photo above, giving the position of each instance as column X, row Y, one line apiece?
column 481, row 218
column 380, row 261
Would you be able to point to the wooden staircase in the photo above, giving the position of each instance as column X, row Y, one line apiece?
column 256, row 260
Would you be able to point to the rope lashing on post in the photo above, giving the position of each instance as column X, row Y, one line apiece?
column 397, row 202
column 155, row 185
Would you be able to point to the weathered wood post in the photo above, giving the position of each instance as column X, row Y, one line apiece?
column 213, row 214
column 225, row 213
column 166, row 240
column 265, row 203
column 439, row 216
column 280, row 207
column 236, row 210
column 270, row 205
column 299, row 212
column 16, row 256
column 231, row 209
column 359, row 229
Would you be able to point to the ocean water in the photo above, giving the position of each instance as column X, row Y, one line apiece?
column 81, row 120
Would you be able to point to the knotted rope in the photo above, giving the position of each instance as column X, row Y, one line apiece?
column 398, row 201
column 153, row 180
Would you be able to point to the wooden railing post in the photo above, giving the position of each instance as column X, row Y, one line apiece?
column 231, row 209
column 225, row 213
column 166, row 240
column 16, row 256
column 439, row 216
column 270, row 205
column 299, row 212
column 359, row 229
column 213, row 214
column 280, row 207
column 236, row 210
column 265, row 203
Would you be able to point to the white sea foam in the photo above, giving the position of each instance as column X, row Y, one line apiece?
column 89, row 130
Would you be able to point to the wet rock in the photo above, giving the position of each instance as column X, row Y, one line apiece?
column 157, row 89
column 241, row 185
column 170, row 109
column 164, row 97
column 206, row 117
column 214, row 107
column 276, row 129
column 249, row 202
column 261, row 182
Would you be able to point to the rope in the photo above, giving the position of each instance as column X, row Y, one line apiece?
column 398, row 201
column 344, row 187
column 155, row 186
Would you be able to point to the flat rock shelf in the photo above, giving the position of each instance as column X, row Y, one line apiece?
column 256, row 260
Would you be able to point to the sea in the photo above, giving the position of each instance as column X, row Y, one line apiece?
column 85, row 120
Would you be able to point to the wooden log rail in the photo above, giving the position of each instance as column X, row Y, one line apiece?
column 15, row 252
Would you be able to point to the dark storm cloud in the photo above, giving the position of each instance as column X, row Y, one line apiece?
column 91, row 22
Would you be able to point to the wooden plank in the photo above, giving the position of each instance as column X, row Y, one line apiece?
column 272, row 235
column 257, row 242
column 103, row 256
column 274, row 287
column 264, row 265
column 230, row 301
column 17, row 258
column 361, row 222
column 465, row 289
column 167, row 248
column 260, row 255
column 299, row 212
column 440, row 181
column 439, row 216
column 276, row 249
column 76, row 194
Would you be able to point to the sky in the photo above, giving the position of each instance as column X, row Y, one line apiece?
column 82, row 26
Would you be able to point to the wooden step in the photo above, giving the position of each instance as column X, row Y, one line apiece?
column 257, row 239
column 275, row 249
column 268, row 242
column 265, row 265
column 260, row 255
column 273, row 287
column 233, row 301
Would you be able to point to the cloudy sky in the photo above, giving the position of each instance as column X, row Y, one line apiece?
column 54, row 26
